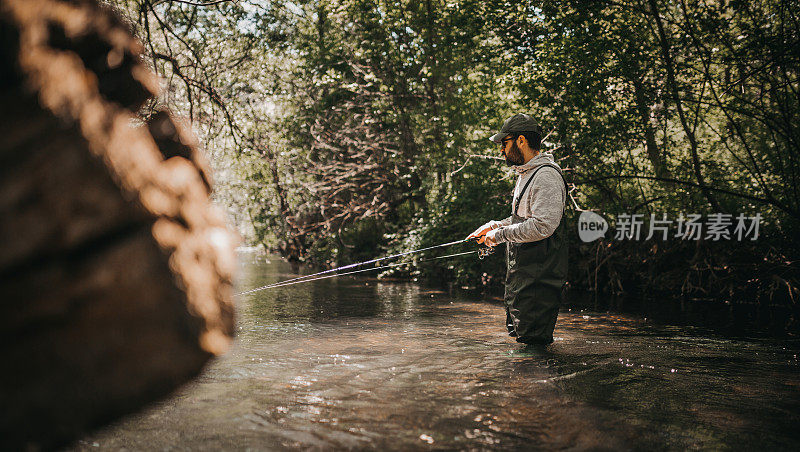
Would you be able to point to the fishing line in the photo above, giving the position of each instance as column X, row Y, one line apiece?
column 396, row 264
column 318, row 276
column 406, row 253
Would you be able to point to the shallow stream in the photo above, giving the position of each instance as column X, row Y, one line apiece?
column 356, row 363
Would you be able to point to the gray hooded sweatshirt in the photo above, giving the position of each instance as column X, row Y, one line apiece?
column 542, row 204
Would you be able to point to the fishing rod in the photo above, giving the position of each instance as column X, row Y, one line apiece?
column 319, row 275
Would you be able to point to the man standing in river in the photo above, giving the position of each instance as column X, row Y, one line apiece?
column 535, row 235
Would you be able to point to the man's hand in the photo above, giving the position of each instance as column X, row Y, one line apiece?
column 489, row 239
column 481, row 231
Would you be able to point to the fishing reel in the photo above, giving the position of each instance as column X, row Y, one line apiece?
column 485, row 251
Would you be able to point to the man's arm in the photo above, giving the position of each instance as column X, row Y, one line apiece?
column 505, row 221
column 547, row 199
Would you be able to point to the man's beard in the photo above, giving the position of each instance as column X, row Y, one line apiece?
column 514, row 155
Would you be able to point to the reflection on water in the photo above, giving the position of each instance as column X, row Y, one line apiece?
column 357, row 363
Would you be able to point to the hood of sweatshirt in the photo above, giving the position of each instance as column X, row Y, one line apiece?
column 540, row 159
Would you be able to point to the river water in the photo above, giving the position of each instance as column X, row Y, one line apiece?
column 357, row 363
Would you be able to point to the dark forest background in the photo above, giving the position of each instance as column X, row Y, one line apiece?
column 341, row 131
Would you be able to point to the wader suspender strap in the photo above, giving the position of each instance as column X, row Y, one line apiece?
column 522, row 193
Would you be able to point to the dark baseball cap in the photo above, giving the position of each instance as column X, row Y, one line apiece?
column 515, row 124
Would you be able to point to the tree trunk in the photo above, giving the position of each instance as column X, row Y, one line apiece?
column 115, row 269
column 651, row 146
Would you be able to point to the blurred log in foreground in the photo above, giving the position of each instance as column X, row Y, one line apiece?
column 115, row 269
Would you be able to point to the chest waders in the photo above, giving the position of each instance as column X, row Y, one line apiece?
column 536, row 272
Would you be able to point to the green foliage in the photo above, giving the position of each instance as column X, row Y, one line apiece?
column 339, row 131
